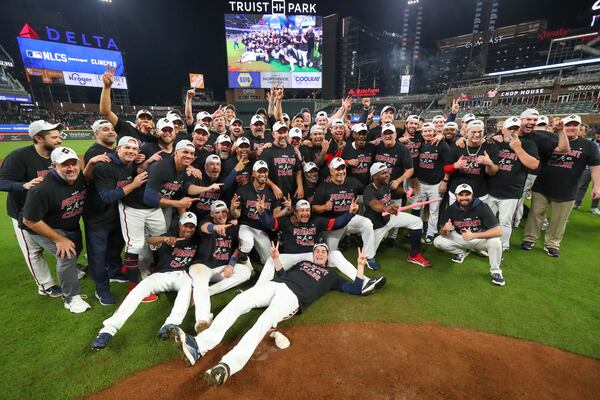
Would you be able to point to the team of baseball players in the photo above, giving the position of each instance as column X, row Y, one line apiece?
column 187, row 204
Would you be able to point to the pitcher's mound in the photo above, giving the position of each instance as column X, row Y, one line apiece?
column 379, row 361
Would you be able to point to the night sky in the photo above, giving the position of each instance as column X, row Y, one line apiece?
column 164, row 40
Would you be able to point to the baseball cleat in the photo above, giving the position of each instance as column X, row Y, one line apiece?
column 105, row 298
column 419, row 259
column 101, row 341
column 164, row 332
column 119, row 278
column 52, row 291
column 373, row 284
column 186, row 344
column 217, row 375
column 498, row 279
column 201, row 325
column 551, row 251
column 459, row 258
column 527, row 245
column 429, row 239
column 372, row 264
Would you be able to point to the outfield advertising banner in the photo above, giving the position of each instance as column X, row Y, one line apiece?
column 67, row 57
column 14, row 99
column 14, row 128
column 91, row 80
column 20, row 132
column 242, row 80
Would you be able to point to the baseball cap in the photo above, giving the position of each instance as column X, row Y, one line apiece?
column 468, row 117
column 451, row 125
column 439, row 117
column 295, row 133
column 388, row 108
column 218, row 206
column 316, row 129
column 298, row 116
column 61, row 154
column 428, row 125
column 261, row 110
column 463, row 188
column 387, row 128
column 184, row 144
column 285, row 116
column 529, row 113
column 173, row 116
column 542, row 120
column 213, row 158
column 377, row 168
column 255, row 119
column 475, row 123
column 336, row 163
column 164, row 123
column 188, row 218
column 230, row 107
column 412, row 118
column 277, row 126
column 223, row 138
column 322, row 244
column 511, row 122
column 202, row 127
column 99, row 124
column 242, row 140
column 302, row 204
column 174, row 112
column 203, row 114
column 40, row 126
column 359, row 128
column 571, row 118
column 309, row 166
column 236, row 120
column 143, row 112
column 337, row 122
column 321, row 114
column 126, row 141
column 260, row 164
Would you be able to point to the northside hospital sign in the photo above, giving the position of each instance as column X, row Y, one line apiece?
column 272, row 7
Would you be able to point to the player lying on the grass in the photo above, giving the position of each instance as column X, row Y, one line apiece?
column 299, row 233
column 471, row 225
column 216, row 262
column 290, row 292
column 176, row 250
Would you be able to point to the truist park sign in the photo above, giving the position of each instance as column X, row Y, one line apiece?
column 272, row 7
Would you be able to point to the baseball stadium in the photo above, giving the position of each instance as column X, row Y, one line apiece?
column 417, row 221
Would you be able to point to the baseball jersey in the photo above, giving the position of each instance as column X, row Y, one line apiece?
column 178, row 257
column 478, row 218
column 397, row 158
column 365, row 159
column 371, row 193
column 559, row 176
column 19, row 167
column 509, row 182
column 215, row 250
column 429, row 164
column 309, row 281
column 473, row 173
column 95, row 150
column 248, row 197
column 341, row 196
column 283, row 164
column 56, row 203
column 123, row 128
column 165, row 182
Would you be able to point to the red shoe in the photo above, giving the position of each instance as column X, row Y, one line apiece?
column 419, row 260
column 148, row 299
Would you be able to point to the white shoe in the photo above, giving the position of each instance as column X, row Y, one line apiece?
column 595, row 211
column 280, row 340
column 77, row 305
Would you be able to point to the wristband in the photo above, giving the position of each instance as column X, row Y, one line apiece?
column 233, row 260
column 445, row 180
column 210, row 228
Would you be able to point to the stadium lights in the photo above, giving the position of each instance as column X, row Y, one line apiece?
column 105, row 1
column 543, row 67
column 411, row 2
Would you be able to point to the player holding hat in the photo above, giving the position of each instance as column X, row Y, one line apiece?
column 106, row 137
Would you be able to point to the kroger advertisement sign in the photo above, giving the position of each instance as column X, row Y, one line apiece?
column 66, row 57
column 91, row 80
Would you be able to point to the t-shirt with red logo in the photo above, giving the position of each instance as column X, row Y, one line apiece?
column 398, row 158
column 166, row 181
column 473, row 174
column 178, row 257
column 383, row 194
column 509, row 182
column 215, row 250
column 478, row 218
column 283, row 164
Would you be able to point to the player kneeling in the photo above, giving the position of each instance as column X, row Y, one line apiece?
column 176, row 251
column 290, row 292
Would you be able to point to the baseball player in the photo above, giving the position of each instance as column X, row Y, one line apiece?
column 377, row 198
column 471, row 226
column 359, row 154
column 200, row 137
column 334, row 198
column 106, row 137
column 258, row 139
column 51, row 213
column 290, row 292
column 111, row 181
column 176, row 250
column 22, row 170
column 216, row 262
column 162, row 148
column 243, row 207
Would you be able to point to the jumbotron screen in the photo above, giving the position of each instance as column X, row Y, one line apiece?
column 273, row 50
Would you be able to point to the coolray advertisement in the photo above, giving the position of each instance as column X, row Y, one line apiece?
column 275, row 49
column 41, row 54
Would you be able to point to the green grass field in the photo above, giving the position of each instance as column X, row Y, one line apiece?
column 45, row 349
column 234, row 64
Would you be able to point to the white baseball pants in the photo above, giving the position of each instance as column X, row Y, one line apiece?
column 357, row 225
column 252, row 237
column 526, row 192
column 174, row 281
column 430, row 192
column 455, row 244
column 34, row 258
column 281, row 304
column 203, row 275
column 505, row 208
column 403, row 220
